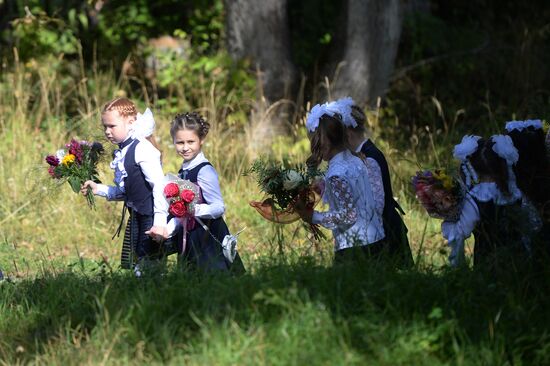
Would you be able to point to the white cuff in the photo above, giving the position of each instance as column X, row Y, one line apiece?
column 102, row 190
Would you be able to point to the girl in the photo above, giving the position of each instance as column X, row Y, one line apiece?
column 533, row 176
column 354, row 191
column 138, row 178
column 493, row 209
column 203, row 245
column 394, row 227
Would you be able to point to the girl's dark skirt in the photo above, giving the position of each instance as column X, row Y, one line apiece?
column 204, row 251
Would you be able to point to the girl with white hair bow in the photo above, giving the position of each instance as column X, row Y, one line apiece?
column 493, row 207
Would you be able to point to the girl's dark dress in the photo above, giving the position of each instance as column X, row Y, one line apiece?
column 499, row 236
column 203, row 250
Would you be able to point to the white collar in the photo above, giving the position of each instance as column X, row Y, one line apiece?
column 488, row 191
column 360, row 147
column 199, row 159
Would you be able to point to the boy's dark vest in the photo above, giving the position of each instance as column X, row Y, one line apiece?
column 139, row 193
column 371, row 151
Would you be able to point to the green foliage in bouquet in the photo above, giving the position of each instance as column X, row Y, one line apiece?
column 282, row 181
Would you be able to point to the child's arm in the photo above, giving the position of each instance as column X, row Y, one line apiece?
column 457, row 232
column 344, row 214
column 148, row 158
column 112, row 193
column 208, row 181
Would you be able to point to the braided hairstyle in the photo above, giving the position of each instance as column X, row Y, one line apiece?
column 124, row 106
column 190, row 121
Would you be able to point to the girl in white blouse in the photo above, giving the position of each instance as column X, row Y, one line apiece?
column 138, row 178
column 494, row 208
column 353, row 190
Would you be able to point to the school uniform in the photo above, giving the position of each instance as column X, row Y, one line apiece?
column 203, row 247
column 502, row 225
column 139, row 182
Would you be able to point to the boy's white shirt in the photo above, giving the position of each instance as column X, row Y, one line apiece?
column 209, row 183
column 148, row 158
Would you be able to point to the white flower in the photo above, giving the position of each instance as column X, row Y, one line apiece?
column 60, row 154
column 292, row 179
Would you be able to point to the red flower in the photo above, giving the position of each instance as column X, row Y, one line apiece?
column 187, row 195
column 178, row 209
column 76, row 149
column 52, row 172
column 171, row 190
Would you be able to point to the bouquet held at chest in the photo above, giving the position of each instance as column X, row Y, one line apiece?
column 182, row 196
column 284, row 185
column 439, row 193
column 75, row 164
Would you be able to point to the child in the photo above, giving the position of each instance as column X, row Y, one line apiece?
column 203, row 247
column 533, row 177
column 394, row 227
column 493, row 209
column 139, row 181
column 353, row 190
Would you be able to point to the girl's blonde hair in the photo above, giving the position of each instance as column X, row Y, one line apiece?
column 126, row 108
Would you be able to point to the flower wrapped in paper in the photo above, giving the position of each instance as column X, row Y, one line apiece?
column 75, row 164
column 441, row 194
column 285, row 186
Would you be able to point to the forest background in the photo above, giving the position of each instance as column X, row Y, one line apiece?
column 458, row 68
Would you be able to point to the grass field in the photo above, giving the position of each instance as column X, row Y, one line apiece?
column 67, row 302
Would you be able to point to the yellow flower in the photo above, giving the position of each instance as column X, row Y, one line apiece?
column 446, row 180
column 447, row 183
column 68, row 159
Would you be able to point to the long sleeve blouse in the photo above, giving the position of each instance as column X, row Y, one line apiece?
column 355, row 196
column 148, row 158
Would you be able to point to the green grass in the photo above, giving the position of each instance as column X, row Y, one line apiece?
column 279, row 314
column 66, row 301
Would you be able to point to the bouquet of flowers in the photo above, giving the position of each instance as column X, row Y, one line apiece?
column 441, row 195
column 182, row 196
column 76, row 163
column 285, row 185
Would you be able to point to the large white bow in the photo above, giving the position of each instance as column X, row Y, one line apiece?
column 144, row 125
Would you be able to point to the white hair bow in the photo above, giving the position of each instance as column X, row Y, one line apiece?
column 343, row 108
column 312, row 121
column 467, row 147
column 504, row 147
column 144, row 126
column 520, row 125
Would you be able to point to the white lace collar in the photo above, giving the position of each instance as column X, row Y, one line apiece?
column 199, row 159
column 488, row 191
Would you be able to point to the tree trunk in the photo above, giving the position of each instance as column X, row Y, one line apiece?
column 258, row 30
column 372, row 32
